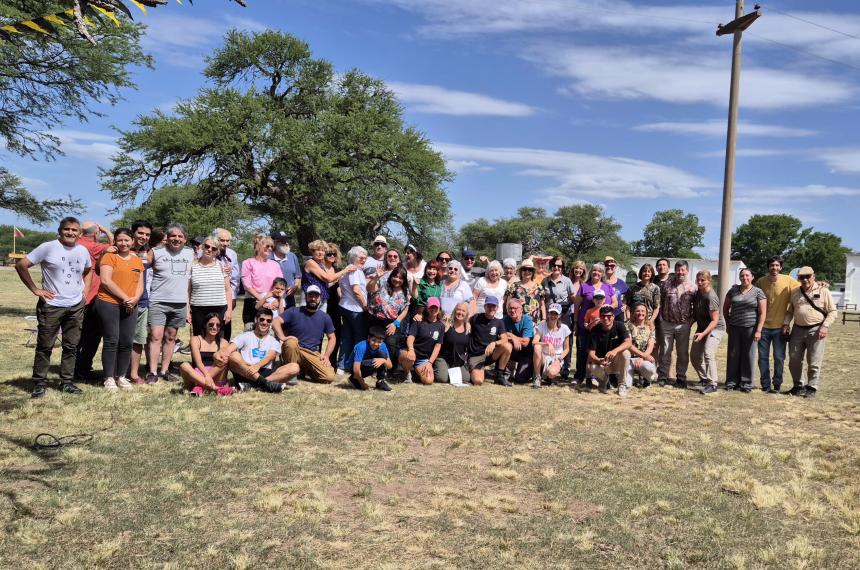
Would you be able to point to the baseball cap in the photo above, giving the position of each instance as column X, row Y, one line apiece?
column 197, row 240
column 555, row 308
column 606, row 310
column 313, row 289
column 609, row 258
column 467, row 252
column 805, row 270
column 433, row 302
column 380, row 239
column 599, row 293
column 491, row 300
column 279, row 235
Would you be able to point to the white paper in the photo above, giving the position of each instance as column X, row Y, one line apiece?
column 455, row 377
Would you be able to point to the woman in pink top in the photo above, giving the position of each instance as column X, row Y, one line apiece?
column 258, row 273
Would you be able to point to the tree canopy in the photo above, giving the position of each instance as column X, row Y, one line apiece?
column 671, row 233
column 47, row 80
column 317, row 153
column 823, row 252
column 576, row 232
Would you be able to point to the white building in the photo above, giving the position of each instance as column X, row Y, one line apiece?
column 852, row 279
column 696, row 265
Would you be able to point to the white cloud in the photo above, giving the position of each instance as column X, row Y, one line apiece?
column 717, row 128
column 793, row 194
column 88, row 146
column 842, row 160
column 442, row 101
column 582, row 177
column 623, row 73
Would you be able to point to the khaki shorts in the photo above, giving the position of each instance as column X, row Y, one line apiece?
column 141, row 330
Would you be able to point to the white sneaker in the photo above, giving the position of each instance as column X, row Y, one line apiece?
column 622, row 390
column 110, row 385
column 123, row 383
column 407, row 379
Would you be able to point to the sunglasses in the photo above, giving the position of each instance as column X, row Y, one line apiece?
column 262, row 320
column 450, row 269
column 207, row 247
column 468, row 259
column 607, row 316
column 216, row 325
column 529, row 269
column 393, row 256
column 269, row 247
column 443, row 259
column 331, row 254
column 380, row 244
column 804, row 276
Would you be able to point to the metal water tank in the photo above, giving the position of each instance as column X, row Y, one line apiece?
column 505, row 250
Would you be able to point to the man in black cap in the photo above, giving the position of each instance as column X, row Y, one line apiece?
column 470, row 273
column 608, row 350
column 290, row 268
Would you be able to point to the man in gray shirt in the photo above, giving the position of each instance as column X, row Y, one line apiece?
column 168, row 300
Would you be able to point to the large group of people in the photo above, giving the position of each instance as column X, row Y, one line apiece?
column 396, row 316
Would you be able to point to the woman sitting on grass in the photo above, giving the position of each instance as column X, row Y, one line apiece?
column 207, row 371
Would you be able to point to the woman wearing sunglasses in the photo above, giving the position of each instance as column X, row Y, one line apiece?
column 320, row 270
column 209, row 288
column 207, row 371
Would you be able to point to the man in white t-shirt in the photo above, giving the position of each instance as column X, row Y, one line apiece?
column 66, row 277
column 251, row 354
column 377, row 252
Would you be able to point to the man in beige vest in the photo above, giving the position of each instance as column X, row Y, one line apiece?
column 812, row 309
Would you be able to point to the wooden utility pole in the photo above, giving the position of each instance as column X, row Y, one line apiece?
column 736, row 27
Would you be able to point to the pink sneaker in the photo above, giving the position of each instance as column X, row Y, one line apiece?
column 225, row 391
column 197, row 391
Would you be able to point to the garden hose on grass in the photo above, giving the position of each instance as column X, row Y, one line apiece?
column 50, row 442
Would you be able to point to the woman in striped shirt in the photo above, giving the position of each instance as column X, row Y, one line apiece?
column 209, row 288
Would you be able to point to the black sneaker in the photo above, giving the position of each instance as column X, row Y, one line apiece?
column 662, row 382
column 708, row 389
column 682, row 384
column 243, row 386
column 645, row 384
column 169, row 376
column 613, row 381
column 272, row 387
column 810, row 392
column 772, row 390
column 745, row 389
column 602, row 385
column 39, row 390
column 358, row 383
column 383, row 385
column 151, row 378
column 797, row 391
column 730, row 387
column 69, row 388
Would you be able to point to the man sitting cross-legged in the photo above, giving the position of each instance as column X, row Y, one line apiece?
column 250, row 356
column 301, row 331
column 608, row 351
column 487, row 344
column 370, row 358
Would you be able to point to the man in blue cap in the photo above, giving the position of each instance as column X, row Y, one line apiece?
column 470, row 273
column 488, row 345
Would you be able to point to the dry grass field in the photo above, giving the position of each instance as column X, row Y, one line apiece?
column 428, row 477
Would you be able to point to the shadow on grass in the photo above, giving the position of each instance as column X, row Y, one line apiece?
column 22, row 480
column 6, row 311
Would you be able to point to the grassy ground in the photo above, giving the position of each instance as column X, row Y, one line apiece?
column 428, row 477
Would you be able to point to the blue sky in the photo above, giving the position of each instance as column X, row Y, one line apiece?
column 555, row 102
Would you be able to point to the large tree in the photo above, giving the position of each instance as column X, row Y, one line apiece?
column 576, row 232
column 764, row 236
column 320, row 154
column 823, row 252
column 671, row 233
column 46, row 80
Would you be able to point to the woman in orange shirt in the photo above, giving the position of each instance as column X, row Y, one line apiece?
column 116, row 305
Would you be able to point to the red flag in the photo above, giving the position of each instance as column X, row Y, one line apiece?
column 17, row 233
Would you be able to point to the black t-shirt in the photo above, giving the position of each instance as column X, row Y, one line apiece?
column 602, row 341
column 427, row 336
column 454, row 347
column 484, row 331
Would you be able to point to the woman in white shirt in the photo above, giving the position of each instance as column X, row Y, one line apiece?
column 491, row 284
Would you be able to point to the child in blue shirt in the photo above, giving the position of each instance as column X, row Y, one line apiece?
column 370, row 357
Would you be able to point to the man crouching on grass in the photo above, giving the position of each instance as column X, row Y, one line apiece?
column 370, row 358
column 608, row 351
column 487, row 345
column 250, row 356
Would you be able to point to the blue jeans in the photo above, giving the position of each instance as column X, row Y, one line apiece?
column 353, row 331
column 768, row 337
